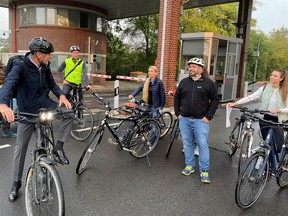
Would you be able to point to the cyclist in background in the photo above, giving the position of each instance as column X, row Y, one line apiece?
column 32, row 95
column 153, row 91
column 75, row 71
column 273, row 98
column 195, row 103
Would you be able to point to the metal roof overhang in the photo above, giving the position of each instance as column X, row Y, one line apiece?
column 118, row 9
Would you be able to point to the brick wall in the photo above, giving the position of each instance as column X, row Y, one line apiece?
column 170, row 46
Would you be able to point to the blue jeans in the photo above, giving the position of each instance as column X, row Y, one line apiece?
column 155, row 111
column 195, row 128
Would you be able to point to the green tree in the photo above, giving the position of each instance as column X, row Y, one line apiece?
column 218, row 18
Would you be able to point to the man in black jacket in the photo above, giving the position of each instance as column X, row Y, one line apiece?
column 196, row 101
column 32, row 95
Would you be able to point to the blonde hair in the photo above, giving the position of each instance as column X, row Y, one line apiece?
column 154, row 68
column 283, row 84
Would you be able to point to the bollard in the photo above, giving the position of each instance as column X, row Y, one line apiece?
column 116, row 94
column 245, row 89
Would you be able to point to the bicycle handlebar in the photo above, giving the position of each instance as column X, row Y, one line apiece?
column 245, row 109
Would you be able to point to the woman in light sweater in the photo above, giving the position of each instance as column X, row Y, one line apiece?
column 273, row 98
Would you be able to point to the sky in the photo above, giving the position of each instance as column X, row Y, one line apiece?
column 270, row 14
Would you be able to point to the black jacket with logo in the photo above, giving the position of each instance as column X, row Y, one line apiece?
column 196, row 99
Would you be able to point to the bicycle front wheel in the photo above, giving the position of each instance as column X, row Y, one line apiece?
column 144, row 139
column 245, row 152
column 43, row 191
column 83, row 123
column 88, row 151
column 165, row 122
column 234, row 139
column 282, row 175
column 251, row 180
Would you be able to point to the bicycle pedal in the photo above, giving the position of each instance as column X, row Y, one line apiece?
column 129, row 150
column 110, row 140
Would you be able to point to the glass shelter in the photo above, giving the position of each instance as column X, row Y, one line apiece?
column 221, row 55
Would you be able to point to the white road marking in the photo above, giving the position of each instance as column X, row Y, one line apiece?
column 5, row 146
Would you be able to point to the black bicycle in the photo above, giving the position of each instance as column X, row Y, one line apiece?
column 44, row 193
column 271, row 159
column 140, row 138
column 164, row 119
column 83, row 119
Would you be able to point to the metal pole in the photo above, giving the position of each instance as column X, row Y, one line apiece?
column 256, row 63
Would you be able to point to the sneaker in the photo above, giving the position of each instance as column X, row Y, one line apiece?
column 196, row 151
column 9, row 134
column 188, row 170
column 205, row 177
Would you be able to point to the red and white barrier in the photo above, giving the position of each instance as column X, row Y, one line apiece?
column 99, row 75
column 131, row 78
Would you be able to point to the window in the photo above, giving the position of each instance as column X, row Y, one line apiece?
column 31, row 16
column 74, row 18
column 99, row 24
column 92, row 21
column 40, row 14
column 62, row 17
column 83, row 20
column 51, row 16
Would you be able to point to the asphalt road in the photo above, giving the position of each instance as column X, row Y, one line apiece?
column 116, row 184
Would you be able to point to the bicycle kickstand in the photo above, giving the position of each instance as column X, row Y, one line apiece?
column 148, row 161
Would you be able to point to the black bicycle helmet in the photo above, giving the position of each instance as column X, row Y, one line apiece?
column 40, row 44
column 74, row 48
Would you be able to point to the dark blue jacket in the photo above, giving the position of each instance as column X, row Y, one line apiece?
column 33, row 86
column 158, row 92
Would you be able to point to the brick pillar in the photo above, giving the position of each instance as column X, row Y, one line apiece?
column 170, row 47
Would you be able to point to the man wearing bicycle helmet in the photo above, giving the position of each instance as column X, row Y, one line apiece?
column 75, row 71
column 33, row 86
column 197, row 97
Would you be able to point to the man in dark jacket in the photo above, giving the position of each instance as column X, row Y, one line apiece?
column 33, row 87
column 196, row 101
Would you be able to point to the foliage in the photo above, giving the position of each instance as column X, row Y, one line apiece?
column 218, row 18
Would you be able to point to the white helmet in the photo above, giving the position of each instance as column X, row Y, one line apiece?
column 197, row 61
column 74, row 48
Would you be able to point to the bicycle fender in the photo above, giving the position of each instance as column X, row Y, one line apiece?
column 45, row 159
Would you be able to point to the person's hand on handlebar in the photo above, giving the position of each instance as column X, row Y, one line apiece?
column 90, row 87
column 130, row 96
column 232, row 104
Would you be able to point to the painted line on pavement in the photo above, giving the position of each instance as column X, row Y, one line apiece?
column 5, row 146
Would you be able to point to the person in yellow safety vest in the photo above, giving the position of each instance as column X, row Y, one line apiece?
column 75, row 71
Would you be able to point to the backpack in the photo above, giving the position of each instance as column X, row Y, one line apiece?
column 11, row 62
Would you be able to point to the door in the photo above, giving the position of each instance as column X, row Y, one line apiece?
column 230, row 74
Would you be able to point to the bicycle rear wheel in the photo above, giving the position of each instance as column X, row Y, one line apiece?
column 83, row 123
column 88, row 151
column 144, row 139
column 245, row 151
column 43, row 191
column 165, row 122
column 251, row 181
column 282, row 175
column 234, row 138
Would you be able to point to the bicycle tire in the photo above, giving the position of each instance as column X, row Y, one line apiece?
column 144, row 138
column 48, row 188
column 88, row 151
column 249, row 187
column 83, row 123
column 282, row 174
column 234, row 138
column 175, row 131
column 165, row 122
column 245, row 150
